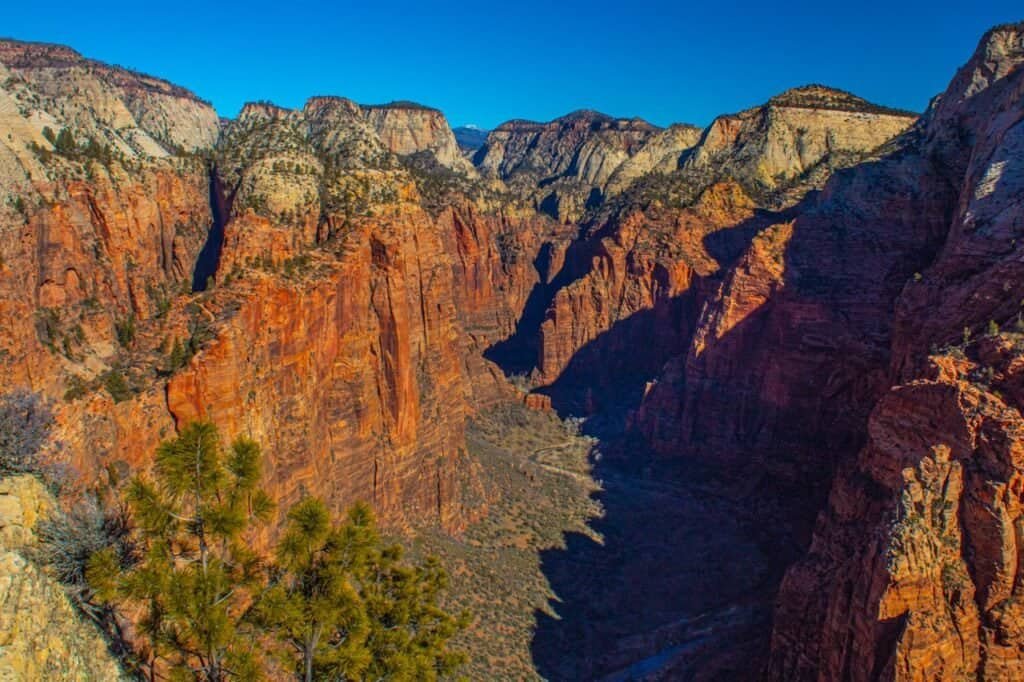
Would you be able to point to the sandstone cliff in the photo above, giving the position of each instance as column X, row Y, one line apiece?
column 910, row 574
column 42, row 637
column 932, row 590
column 328, row 286
column 407, row 128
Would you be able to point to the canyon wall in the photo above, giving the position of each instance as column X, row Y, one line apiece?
column 662, row 241
column 326, row 328
column 914, row 565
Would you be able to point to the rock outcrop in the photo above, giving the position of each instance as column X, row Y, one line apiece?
column 564, row 164
column 42, row 637
column 407, row 128
column 795, row 136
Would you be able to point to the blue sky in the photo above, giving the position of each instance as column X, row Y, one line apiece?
column 485, row 63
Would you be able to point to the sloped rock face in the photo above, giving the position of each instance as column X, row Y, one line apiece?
column 100, row 236
column 54, row 85
column 102, row 230
column 585, row 144
column 815, row 360
column 661, row 153
column 41, row 634
column 792, row 136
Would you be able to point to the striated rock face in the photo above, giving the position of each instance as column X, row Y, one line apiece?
column 407, row 128
column 504, row 267
column 800, row 326
column 102, row 230
column 41, row 634
column 585, row 144
column 349, row 375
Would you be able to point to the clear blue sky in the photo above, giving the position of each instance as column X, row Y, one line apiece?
column 484, row 63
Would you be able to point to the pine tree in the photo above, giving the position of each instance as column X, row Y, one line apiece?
column 349, row 607
column 191, row 582
column 409, row 631
column 65, row 143
column 312, row 605
column 178, row 357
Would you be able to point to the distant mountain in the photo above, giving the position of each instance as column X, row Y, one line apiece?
column 470, row 138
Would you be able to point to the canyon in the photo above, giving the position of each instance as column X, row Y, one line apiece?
column 788, row 350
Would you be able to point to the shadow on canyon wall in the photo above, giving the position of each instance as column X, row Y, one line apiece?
column 696, row 541
column 691, row 555
column 209, row 256
column 682, row 572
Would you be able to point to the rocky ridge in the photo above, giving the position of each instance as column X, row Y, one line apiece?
column 563, row 165
column 798, row 368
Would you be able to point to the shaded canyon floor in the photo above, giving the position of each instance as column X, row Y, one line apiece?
column 594, row 565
